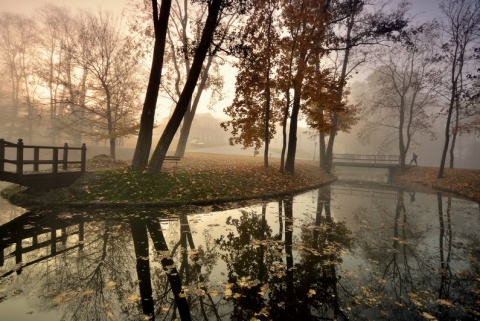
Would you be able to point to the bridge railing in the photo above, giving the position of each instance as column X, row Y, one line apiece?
column 57, row 162
column 356, row 158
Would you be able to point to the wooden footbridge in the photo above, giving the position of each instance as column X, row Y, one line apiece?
column 390, row 162
column 43, row 167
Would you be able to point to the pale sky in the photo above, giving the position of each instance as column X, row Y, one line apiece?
column 426, row 9
column 28, row 6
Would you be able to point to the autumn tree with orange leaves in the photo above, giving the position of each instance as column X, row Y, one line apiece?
column 282, row 40
column 256, row 104
column 305, row 25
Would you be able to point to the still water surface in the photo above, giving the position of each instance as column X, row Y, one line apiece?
column 357, row 250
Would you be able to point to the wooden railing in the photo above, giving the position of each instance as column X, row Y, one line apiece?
column 356, row 158
column 56, row 161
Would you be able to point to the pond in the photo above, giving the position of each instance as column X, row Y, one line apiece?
column 355, row 250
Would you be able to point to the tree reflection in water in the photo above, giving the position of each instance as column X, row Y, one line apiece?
column 306, row 290
column 406, row 259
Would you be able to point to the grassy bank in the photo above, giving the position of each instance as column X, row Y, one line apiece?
column 211, row 178
column 197, row 179
column 463, row 182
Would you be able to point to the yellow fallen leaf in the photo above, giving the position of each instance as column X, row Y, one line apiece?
column 428, row 316
column 133, row 297
column 444, row 302
column 87, row 292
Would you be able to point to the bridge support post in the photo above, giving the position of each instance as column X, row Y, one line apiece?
column 65, row 156
column 55, row 160
column 20, row 158
column 36, row 159
column 2, row 155
column 84, row 158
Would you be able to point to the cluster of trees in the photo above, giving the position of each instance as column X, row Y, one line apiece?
column 79, row 71
column 428, row 73
column 294, row 59
column 299, row 56
column 281, row 48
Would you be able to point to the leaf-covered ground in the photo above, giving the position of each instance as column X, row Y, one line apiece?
column 198, row 178
column 464, row 182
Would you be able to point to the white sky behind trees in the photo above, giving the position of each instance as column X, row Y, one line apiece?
column 423, row 9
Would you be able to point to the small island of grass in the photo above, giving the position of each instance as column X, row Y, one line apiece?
column 203, row 179
column 196, row 179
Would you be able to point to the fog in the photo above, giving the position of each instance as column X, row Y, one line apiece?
column 206, row 136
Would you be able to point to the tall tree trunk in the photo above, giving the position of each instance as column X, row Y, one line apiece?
column 455, row 130
column 342, row 80
column 156, row 162
column 292, row 135
column 401, row 144
column 267, row 93
column 322, row 150
column 447, row 136
column 284, row 132
column 452, row 146
column 190, row 113
column 144, row 141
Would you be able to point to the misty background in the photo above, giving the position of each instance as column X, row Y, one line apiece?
column 31, row 120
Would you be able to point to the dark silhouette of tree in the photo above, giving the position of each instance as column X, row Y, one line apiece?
column 144, row 141
column 215, row 9
column 461, row 23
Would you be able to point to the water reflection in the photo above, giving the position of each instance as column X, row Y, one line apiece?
column 346, row 251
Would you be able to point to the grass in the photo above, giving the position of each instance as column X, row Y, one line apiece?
column 211, row 178
column 197, row 179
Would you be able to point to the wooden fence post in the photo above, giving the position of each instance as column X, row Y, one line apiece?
column 65, row 156
column 2, row 154
column 36, row 158
column 55, row 160
column 20, row 158
column 84, row 158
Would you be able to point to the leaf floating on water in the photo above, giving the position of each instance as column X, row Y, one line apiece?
column 87, row 292
column 182, row 295
column 133, row 297
column 165, row 309
column 444, row 302
column 428, row 316
column 110, row 284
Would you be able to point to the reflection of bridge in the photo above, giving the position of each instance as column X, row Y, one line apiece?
column 53, row 233
column 59, row 174
column 37, row 237
column 31, row 232
column 366, row 192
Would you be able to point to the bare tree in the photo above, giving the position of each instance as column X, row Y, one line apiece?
column 403, row 90
column 460, row 24
column 18, row 39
